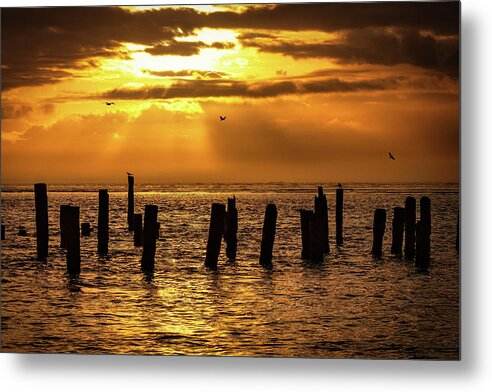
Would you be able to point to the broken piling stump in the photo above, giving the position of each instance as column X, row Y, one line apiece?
column 321, row 208
column 149, row 238
column 231, row 227
column 73, row 240
column 103, row 223
column 268, row 236
column 137, row 230
column 131, row 200
column 215, row 233
column 85, row 229
column 339, row 215
column 398, row 230
column 41, row 203
column 410, row 218
column 378, row 232
column 306, row 217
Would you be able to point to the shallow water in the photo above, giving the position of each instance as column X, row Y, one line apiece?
column 349, row 306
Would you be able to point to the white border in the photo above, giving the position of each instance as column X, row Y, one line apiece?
column 473, row 373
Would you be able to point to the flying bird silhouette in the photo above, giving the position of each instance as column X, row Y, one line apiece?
column 130, row 174
column 222, row 118
column 109, row 103
column 390, row 156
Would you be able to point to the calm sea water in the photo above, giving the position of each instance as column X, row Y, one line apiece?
column 349, row 306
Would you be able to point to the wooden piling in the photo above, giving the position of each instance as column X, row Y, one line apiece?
column 268, row 236
column 215, row 233
column 316, row 237
column 306, row 217
column 73, row 240
column 137, row 229
column 378, row 232
column 103, row 223
column 421, row 257
column 63, row 226
column 339, row 216
column 410, row 218
column 321, row 208
column 425, row 219
column 231, row 227
column 131, row 200
column 3, row 232
column 398, row 230
column 85, row 229
column 41, row 203
column 149, row 238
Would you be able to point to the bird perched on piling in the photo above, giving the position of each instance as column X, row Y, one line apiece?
column 129, row 174
column 222, row 118
column 109, row 103
column 339, row 185
column 390, row 156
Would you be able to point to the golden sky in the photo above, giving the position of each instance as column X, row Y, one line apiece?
column 311, row 93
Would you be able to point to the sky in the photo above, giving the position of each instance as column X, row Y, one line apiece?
column 310, row 92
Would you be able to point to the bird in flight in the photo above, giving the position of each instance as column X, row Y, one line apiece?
column 130, row 174
column 109, row 103
column 222, row 118
column 390, row 156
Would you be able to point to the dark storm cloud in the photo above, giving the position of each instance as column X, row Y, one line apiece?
column 41, row 45
column 235, row 88
column 375, row 46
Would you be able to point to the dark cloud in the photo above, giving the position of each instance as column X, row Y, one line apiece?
column 185, row 48
column 42, row 45
column 13, row 111
column 375, row 46
column 237, row 88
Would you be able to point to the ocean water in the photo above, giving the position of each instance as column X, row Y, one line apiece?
column 349, row 306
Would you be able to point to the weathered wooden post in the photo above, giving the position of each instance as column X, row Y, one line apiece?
column 85, row 229
column 398, row 230
column 103, row 223
column 215, row 233
column 306, row 217
column 421, row 257
column 73, row 240
column 130, row 202
column 137, row 229
column 41, row 203
column 339, row 215
column 316, row 237
column 3, row 232
column 425, row 219
column 268, row 236
column 321, row 208
column 231, row 227
column 149, row 238
column 63, row 226
column 378, row 232
column 410, row 217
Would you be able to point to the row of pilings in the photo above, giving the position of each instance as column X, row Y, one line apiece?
column 410, row 238
column 417, row 234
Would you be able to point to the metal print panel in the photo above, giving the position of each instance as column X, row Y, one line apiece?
column 274, row 180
